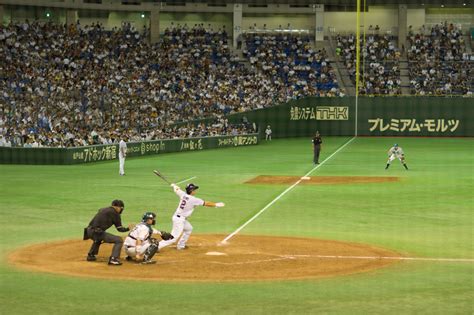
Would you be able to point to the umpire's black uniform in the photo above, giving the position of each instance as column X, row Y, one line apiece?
column 104, row 219
column 316, row 147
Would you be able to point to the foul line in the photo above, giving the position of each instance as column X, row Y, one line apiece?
column 381, row 257
column 284, row 192
column 185, row 180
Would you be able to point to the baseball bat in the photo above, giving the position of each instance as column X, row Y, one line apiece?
column 157, row 173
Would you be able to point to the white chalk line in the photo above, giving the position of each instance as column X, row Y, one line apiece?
column 293, row 257
column 185, row 180
column 284, row 192
column 248, row 261
column 383, row 257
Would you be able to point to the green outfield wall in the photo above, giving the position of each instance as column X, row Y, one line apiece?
column 96, row 153
column 377, row 116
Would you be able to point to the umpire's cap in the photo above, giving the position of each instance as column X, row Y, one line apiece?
column 118, row 203
column 190, row 188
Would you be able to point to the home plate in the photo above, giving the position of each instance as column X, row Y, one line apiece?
column 216, row 254
column 305, row 177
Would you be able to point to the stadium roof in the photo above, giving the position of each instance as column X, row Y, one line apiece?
column 448, row 3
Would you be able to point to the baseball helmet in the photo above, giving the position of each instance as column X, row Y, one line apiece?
column 190, row 188
column 149, row 215
column 395, row 145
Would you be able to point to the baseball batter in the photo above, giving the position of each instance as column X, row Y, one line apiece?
column 139, row 244
column 122, row 156
column 187, row 202
column 396, row 152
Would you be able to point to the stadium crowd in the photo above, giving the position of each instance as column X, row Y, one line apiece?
column 381, row 74
column 59, row 84
column 290, row 61
column 439, row 63
column 74, row 85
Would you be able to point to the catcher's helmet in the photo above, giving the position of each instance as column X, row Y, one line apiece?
column 149, row 215
column 190, row 188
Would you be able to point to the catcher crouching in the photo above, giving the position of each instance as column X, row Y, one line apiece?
column 139, row 245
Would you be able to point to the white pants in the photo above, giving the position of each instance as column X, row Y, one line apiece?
column 132, row 251
column 393, row 157
column 121, row 165
column 180, row 226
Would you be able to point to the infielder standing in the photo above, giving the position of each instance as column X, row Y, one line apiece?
column 122, row 155
column 396, row 152
column 139, row 244
column 181, row 225
column 268, row 133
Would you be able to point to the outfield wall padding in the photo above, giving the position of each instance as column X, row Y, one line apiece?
column 377, row 116
column 96, row 153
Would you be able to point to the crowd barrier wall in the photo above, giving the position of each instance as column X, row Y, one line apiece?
column 377, row 116
column 96, row 153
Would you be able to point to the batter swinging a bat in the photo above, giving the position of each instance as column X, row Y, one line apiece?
column 181, row 225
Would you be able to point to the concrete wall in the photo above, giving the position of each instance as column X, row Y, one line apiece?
column 386, row 18
column 217, row 20
column 415, row 18
column 297, row 21
column 134, row 18
column 462, row 17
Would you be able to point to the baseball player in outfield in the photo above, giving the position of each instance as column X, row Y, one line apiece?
column 122, row 156
column 139, row 245
column 396, row 152
column 181, row 225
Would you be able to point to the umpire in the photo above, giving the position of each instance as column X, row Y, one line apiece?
column 316, row 147
column 104, row 219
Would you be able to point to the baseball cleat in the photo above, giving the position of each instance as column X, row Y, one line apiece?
column 148, row 262
column 182, row 248
column 114, row 261
column 91, row 258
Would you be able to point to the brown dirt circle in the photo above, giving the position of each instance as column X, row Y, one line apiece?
column 320, row 180
column 244, row 258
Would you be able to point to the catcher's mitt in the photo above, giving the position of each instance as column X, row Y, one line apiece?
column 166, row 236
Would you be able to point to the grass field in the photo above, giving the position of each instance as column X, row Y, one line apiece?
column 428, row 213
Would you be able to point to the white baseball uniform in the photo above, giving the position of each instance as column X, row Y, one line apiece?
column 268, row 133
column 395, row 152
column 142, row 232
column 122, row 155
column 181, row 225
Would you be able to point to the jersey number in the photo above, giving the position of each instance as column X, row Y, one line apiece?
column 183, row 203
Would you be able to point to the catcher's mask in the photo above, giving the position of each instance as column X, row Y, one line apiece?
column 190, row 188
column 119, row 204
column 149, row 215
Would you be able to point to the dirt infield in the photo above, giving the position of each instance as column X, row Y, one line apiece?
column 244, row 258
column 321, row 180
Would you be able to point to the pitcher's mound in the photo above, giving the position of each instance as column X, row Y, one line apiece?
column 320, row 180
column 245, row 258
